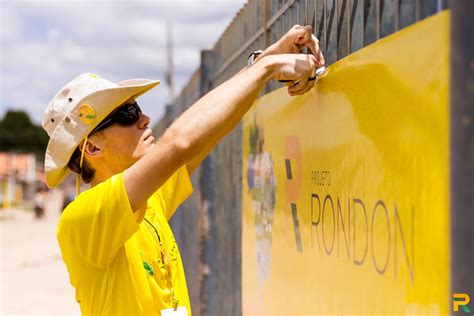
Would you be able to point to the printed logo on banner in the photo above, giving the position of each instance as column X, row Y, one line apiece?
column 293, row 168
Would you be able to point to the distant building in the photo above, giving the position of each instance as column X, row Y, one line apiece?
column 19, row 176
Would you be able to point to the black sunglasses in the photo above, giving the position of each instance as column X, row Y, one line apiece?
column 125, row 115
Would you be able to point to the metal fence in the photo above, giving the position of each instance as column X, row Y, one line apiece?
column 208, row 225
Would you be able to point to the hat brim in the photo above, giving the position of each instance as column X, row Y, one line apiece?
column 71, row 130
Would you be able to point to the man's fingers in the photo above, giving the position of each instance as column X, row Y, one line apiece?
column 302, row 89
column 298, row 87
column 309, row 86
column 303, row 34
column 318, row 53
column 316, row 50
column 305, row 37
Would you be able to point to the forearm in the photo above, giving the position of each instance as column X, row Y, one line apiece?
column 272, row 50
column 215, row 114
column 234, row 120
column 193, row 164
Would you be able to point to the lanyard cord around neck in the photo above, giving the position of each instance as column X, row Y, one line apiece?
column 174, row 299
column 156, row 231
column 78, row 180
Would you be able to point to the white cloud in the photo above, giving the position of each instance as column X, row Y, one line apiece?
column 45, row 44
column 9, row 18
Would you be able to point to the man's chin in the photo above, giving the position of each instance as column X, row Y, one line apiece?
column 152, row 145
column 148, row 149
column 142, row 153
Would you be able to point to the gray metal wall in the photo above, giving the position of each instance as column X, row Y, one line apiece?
column 208, row 226
column 462, row 148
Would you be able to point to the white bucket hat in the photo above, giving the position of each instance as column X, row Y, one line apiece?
column 76, row 110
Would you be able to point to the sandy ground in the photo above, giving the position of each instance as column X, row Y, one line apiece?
column 34, row 279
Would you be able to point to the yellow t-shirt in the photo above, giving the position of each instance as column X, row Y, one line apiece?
column 113, row 258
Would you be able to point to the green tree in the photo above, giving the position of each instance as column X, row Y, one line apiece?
column 19, row 134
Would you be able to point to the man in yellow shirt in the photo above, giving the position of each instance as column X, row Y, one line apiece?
column 115, row 239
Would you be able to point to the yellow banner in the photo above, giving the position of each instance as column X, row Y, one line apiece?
column 346, row 189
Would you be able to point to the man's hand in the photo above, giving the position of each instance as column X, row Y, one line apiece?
column 297, row 68
column 293, row 42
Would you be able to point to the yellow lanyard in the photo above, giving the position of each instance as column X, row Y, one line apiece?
column 166, row 263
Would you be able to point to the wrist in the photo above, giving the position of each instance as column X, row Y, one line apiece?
column 274, row 49
column 269, row 65
column 253, row 57
column 269, row 51
column 258, row 55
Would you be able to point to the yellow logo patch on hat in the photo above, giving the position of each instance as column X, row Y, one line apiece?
column 86, row 113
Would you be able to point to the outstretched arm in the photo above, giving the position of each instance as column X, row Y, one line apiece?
column 202, row 124
column 297, row 38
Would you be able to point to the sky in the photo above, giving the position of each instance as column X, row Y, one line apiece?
column 45, row 44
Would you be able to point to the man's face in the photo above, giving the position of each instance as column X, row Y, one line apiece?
column 122, row 146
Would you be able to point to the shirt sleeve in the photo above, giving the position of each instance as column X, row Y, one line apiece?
column 175, row 191
column 99, row 222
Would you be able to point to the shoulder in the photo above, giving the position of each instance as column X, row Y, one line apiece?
column 93, row 198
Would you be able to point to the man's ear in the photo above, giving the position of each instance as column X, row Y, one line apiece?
column 93, row 149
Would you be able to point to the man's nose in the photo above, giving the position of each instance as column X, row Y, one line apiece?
column 143, row 121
